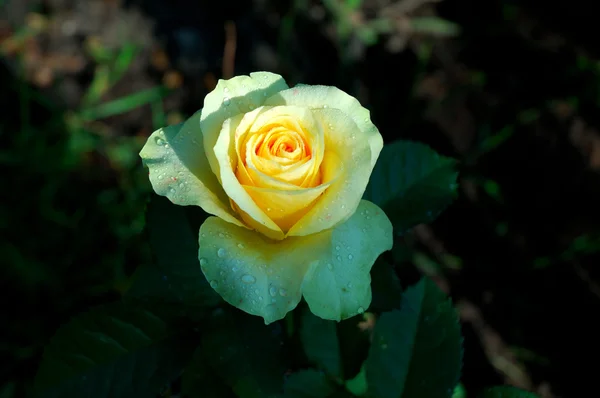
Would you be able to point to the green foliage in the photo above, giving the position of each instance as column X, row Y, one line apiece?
column 308, row 383
column 246, row 354
column 200, row 380
column 175, row 277
column 417, row 350
column 111, row 351
column 507, row 392
column 320, row 343
column 412, row 183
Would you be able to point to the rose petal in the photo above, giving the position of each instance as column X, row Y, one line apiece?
column 347, row 158
column 316, row 97
column 179, row 169
column 267, row 278
column 231, row 97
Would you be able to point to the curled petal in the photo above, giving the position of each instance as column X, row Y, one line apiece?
column 179, row 169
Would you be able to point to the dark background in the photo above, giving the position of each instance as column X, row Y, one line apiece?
column 509, row 88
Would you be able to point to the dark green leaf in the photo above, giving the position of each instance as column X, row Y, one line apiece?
column 111, row 351
column 176, row 277
column 507, row 392
column 308, row 383
column 199, row 380
column 320, row 343
column 354, row 345
column 387, row 292
column 358, row 385
column 246, row 353
column 412, row 183
column 416, row 352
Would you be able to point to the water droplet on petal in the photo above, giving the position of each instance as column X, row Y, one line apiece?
column 226, row 90
column 361, row 310
column 272, row 291
column 330, row 266
column 282, row 292
column 203, row 262
column 171, row 190
column 248, row 279
column 159, row 141
column 337, row 248
column 234, row 269
column 226, row 101
column 350, row 257
column 343, row 206
column 160, row 176
column 339, row 258
column 221, row 252
column 256, row 291
column 214, row 284
column 221, row 235
column 240, row 245
column 349, row 285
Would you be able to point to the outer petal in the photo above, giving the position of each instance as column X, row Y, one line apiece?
column 232, row 97
column 267, row 278
column 257, row 275
column 346, row 164
column 179, row 169
column 338, row 284
column 316, row 97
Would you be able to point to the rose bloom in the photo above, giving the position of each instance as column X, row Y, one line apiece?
column 283, row 171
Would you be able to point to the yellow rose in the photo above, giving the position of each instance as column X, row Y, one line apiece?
column 283, row 170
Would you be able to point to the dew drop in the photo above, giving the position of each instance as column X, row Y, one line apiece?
column 272, row 291
column 339, row 258
column 349, row 285
column 221, row 252
column 160, row 176
column 226, row 90
column 226, row 101
column 256, row 291
column 248, row 279
column 159, row 141
column 234, row 269
column 260, row 298
column 203, row 262
column 282, row 292
column 221, row 235
column 350, row 257
column 330, row 266
column 361, row 310
column 240, row 245
column 337, row 248
column 343, row 206
column 268, row 209
column 214, row 284
column 171, row 190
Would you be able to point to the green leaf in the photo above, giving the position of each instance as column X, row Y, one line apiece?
column 123, row 105
column 111, row 351
column 200, row 380
column 507, row 392
column 358, row 385
column 246, row 354
column 320, row 343
column 176, row 277
column 416, row 352
column 308, row 383
column 387, row 292
column 412, row 183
